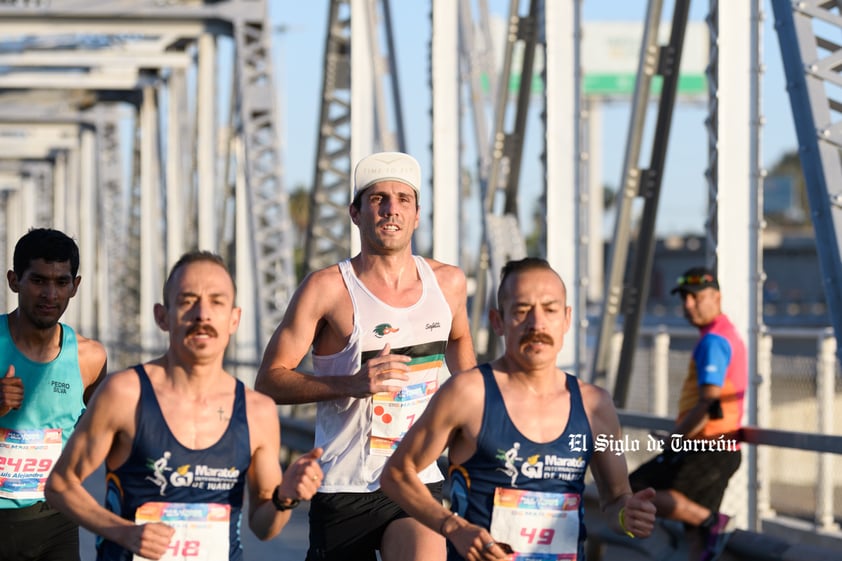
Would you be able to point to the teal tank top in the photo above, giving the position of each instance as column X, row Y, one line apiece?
column 53, row 399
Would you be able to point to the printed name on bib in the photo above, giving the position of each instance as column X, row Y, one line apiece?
column 538, row 526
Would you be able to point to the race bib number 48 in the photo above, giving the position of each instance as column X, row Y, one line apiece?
column 201, row 529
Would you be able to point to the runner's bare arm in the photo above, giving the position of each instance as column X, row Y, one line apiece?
column 610, row 471
column 695, row 419
column 93, row 364
column 460, row 353
column 444, row 422
column 264, row 475
column 11, row 391
column 104, row 429
column 422, row 445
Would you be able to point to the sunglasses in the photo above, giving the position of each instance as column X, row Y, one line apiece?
column 695, row 279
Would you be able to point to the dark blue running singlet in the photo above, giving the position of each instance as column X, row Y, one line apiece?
column 506, row 459
column 160, row 469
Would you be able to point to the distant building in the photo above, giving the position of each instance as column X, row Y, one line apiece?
column 793, row 294
column 781, row 202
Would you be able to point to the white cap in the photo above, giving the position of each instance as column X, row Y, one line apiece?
column 387, row 166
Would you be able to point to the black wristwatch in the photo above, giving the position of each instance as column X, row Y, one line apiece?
column 279, row 502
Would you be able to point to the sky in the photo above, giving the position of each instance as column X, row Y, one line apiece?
column 299, row 50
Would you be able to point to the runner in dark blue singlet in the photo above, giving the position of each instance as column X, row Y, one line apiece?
column 182, row 439
column 520, row 435
column 505, row 458
column 151, row 474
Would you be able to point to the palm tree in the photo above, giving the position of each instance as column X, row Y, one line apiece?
column 299, row 212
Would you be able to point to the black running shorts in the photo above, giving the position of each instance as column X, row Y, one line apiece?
column 350, row 526
column 46, row 536
column 700, row 476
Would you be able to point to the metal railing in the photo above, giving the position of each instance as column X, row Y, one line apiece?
column 662, row 360
column 798, row 384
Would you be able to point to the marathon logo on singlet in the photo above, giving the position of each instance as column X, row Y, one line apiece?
column 539, row 466
column 60, row 387
column 199, row 476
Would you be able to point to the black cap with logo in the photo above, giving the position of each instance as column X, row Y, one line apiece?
column 696, row 279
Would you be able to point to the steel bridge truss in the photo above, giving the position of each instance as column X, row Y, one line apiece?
column 328, row 231
column 808, row 33
column 137, row 52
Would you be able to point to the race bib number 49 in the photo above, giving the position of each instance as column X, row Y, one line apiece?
column 538, row 526
column 201, row 529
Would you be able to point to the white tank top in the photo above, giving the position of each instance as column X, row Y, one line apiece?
column 358, row 435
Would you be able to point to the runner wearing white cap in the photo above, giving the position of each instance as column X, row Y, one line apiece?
column 381, row 326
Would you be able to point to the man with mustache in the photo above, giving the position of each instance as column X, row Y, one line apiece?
column 181, row 439
column 48, row 374
column 690, row 484
column 519, row 411
column 381, row 325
